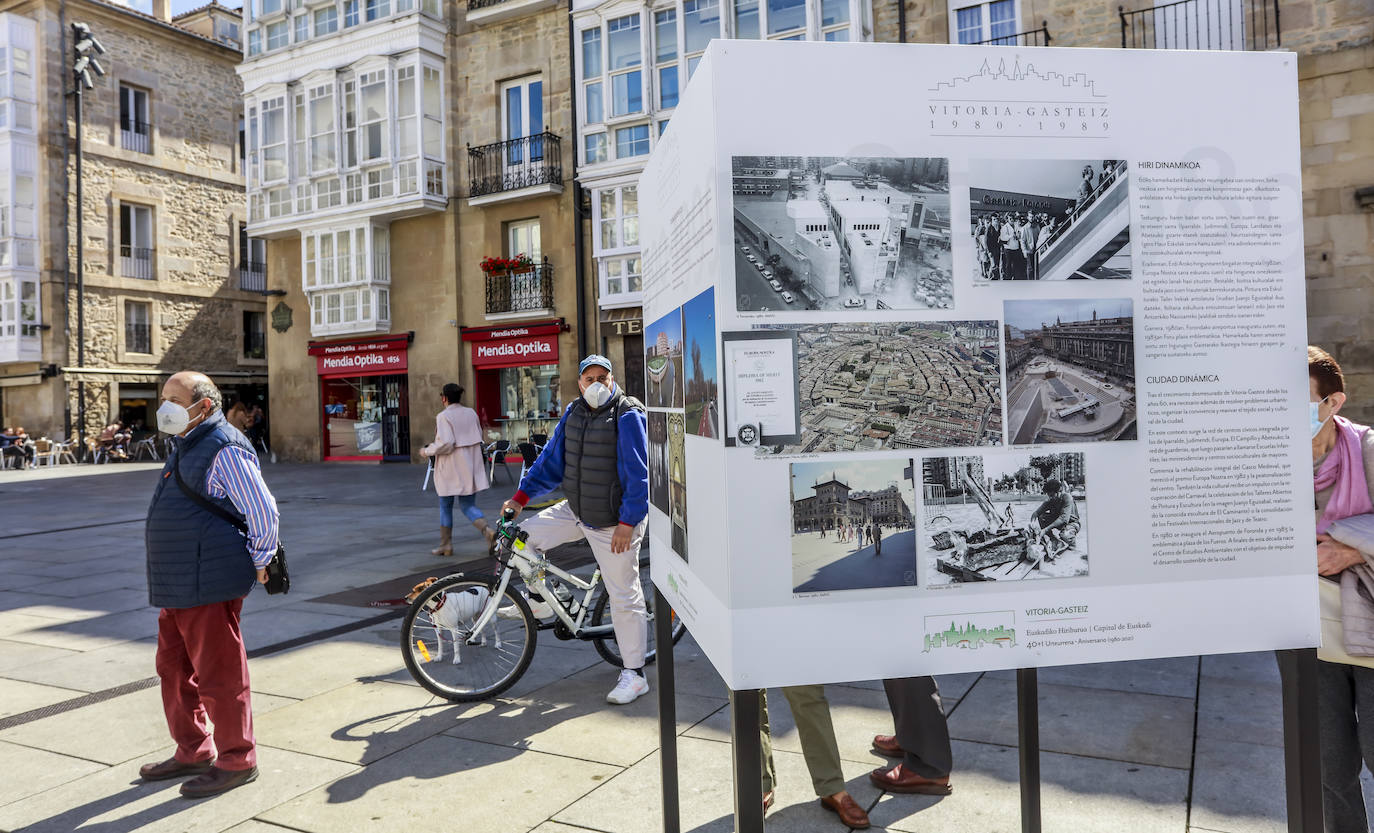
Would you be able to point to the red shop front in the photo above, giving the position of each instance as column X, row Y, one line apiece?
column 364, row 396
column 516, row 377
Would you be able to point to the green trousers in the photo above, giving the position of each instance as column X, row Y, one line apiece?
column 811, row 711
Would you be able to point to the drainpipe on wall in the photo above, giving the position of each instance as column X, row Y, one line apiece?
column 66, row 231
column 579, row 248
column 901, row 21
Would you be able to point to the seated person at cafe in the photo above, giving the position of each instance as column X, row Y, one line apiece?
column 16, row 445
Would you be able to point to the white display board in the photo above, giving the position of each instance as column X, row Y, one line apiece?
column 895, row 295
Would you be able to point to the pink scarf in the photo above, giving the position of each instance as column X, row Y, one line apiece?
column 1343, row 468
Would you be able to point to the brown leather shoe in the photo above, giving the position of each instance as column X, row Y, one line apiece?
column 217, row 781
column 847, row 809
column 888, row 745
column 172, row 768
column 899, row 780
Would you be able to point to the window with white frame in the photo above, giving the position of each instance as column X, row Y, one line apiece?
column 377, row 9
column 326, row 21
column 321, row 116
column 138, row 327
column 350, row 13
column 254, row 42
column 620, row 276
column 301, row 24
column 278, row 35
column 269, row 7
column 274, row 139
column 522, row 108
column 617, row 217
column 665, row 57
column 984, row 21
column 593, row 106
column 373, row 115
column 300, row 136
column 746, row 19
column 787, row 19
column 835, row 20
column 134, row 128
column 623, row 57
column 136, row 241
column 407, row 103
column 632, row 141
column 594, row 148
column 522, row 237
column 433, row 113
column 350, row 123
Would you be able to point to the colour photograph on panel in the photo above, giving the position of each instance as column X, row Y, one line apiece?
column 853, row 525
column 658, row 460
column 1070, row 370
column 1049, row 219
column 663, row 362
column 699, row 352
column 677, row 483
column 869, row 387
column 1005, row 517
column 841, row 233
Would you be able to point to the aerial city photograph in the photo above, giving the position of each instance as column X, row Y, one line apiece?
column 868, row 387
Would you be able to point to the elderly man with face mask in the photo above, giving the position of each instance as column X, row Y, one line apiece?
column 599, row 454
column 199, row 569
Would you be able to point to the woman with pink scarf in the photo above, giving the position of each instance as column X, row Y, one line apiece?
column 1342, row 470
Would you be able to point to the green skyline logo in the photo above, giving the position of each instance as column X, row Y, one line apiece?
column 971, row 636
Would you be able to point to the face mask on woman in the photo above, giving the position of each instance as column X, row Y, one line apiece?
column 1314, row 415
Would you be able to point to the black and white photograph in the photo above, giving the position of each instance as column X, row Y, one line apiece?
column 1049, row 219
column 841, row 233
column 658, row 460
column 853, row 525
column 1070, row 370
column 677, row 482
column 1008, row 517
column 663, row 375
column 870, row 387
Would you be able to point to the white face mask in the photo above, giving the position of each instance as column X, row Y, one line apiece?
column 172, row 418
column 1314, row 416
column 597, row 394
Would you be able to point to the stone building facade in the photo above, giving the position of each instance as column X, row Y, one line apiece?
column 436, row 135
column 162, row 212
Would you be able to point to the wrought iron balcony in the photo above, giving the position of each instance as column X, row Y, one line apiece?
column 1241, row 25
column 1032, row 37
column 253, row 276
column 135, row 262
column 527, row 291
column 516, row 164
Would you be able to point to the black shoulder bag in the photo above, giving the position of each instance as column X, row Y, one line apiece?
column 278, row 579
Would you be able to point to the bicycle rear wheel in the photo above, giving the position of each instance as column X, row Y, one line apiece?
column 436, row 630
column 601, row 613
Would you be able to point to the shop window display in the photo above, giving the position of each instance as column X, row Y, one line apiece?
column 530, row 392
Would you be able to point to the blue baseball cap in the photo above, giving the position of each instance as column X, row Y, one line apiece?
column 594, row 359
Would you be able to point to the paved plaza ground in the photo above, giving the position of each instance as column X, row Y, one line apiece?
column 347, row 742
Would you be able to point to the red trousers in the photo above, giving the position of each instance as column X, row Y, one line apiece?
column 204, row 671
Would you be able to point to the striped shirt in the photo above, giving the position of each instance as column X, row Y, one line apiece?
column 235, row 475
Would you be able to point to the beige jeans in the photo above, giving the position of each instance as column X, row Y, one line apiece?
column 619, row 572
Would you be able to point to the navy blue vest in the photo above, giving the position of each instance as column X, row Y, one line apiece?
column 194, row 556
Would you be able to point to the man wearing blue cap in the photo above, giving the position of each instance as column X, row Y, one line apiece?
column 599, row 454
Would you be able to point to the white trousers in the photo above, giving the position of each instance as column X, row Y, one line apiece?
column 619, row 572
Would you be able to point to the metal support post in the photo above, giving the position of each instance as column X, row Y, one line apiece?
column 1028, row 736
column 667, row 712
column 1302, row 760
column 748, row 765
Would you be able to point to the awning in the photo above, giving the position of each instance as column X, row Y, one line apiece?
column 624, row 321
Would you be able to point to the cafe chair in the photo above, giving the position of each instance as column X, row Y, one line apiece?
column 496, row 453
column 529, row 452
column 148, row 444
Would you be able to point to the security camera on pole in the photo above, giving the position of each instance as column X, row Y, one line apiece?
column 84, row 49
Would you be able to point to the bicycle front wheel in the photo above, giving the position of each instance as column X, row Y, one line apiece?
column 444, row 655
column 601, row 614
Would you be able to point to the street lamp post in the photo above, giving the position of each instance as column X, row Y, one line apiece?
column 84, row 49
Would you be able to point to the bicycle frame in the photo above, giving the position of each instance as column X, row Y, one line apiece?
column 533, row 568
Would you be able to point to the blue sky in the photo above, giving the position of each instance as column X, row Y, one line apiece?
column 178, row 6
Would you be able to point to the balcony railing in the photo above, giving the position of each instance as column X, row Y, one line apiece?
column 1238, row 25
column 138, row 338
column 136, row 136
column 527, row 291
column 135, row 262
column 515, row 164
column 253, row 276
column 1032, row 37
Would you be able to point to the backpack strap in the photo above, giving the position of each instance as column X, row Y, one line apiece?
column 205, row 503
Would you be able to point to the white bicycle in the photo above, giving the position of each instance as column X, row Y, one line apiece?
column 490, row 629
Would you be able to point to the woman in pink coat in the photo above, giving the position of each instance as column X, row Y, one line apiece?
column 458, row 469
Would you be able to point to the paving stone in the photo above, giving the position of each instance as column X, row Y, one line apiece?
column 317, row 667
column 95, row 670
column 72, row 609
column 1239, row 787
column 18, row 654
column 632, row 801
column 363, row 722
column 1257, row 667
column 1084, row 795
column 573, row 719
column 89, row 634
column 262, row 630
column 1172, row 677
column 1099, row 723
column 858, row 715
column 17, row 696
column 91, row 586
column 116, row 799
column 1238, row 710
column 130, row 727
column 42, row 770
column 445, row 783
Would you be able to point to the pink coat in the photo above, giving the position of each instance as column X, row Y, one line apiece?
column 457, row 452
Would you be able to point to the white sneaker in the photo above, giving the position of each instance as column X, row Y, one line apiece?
column 628, row 688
